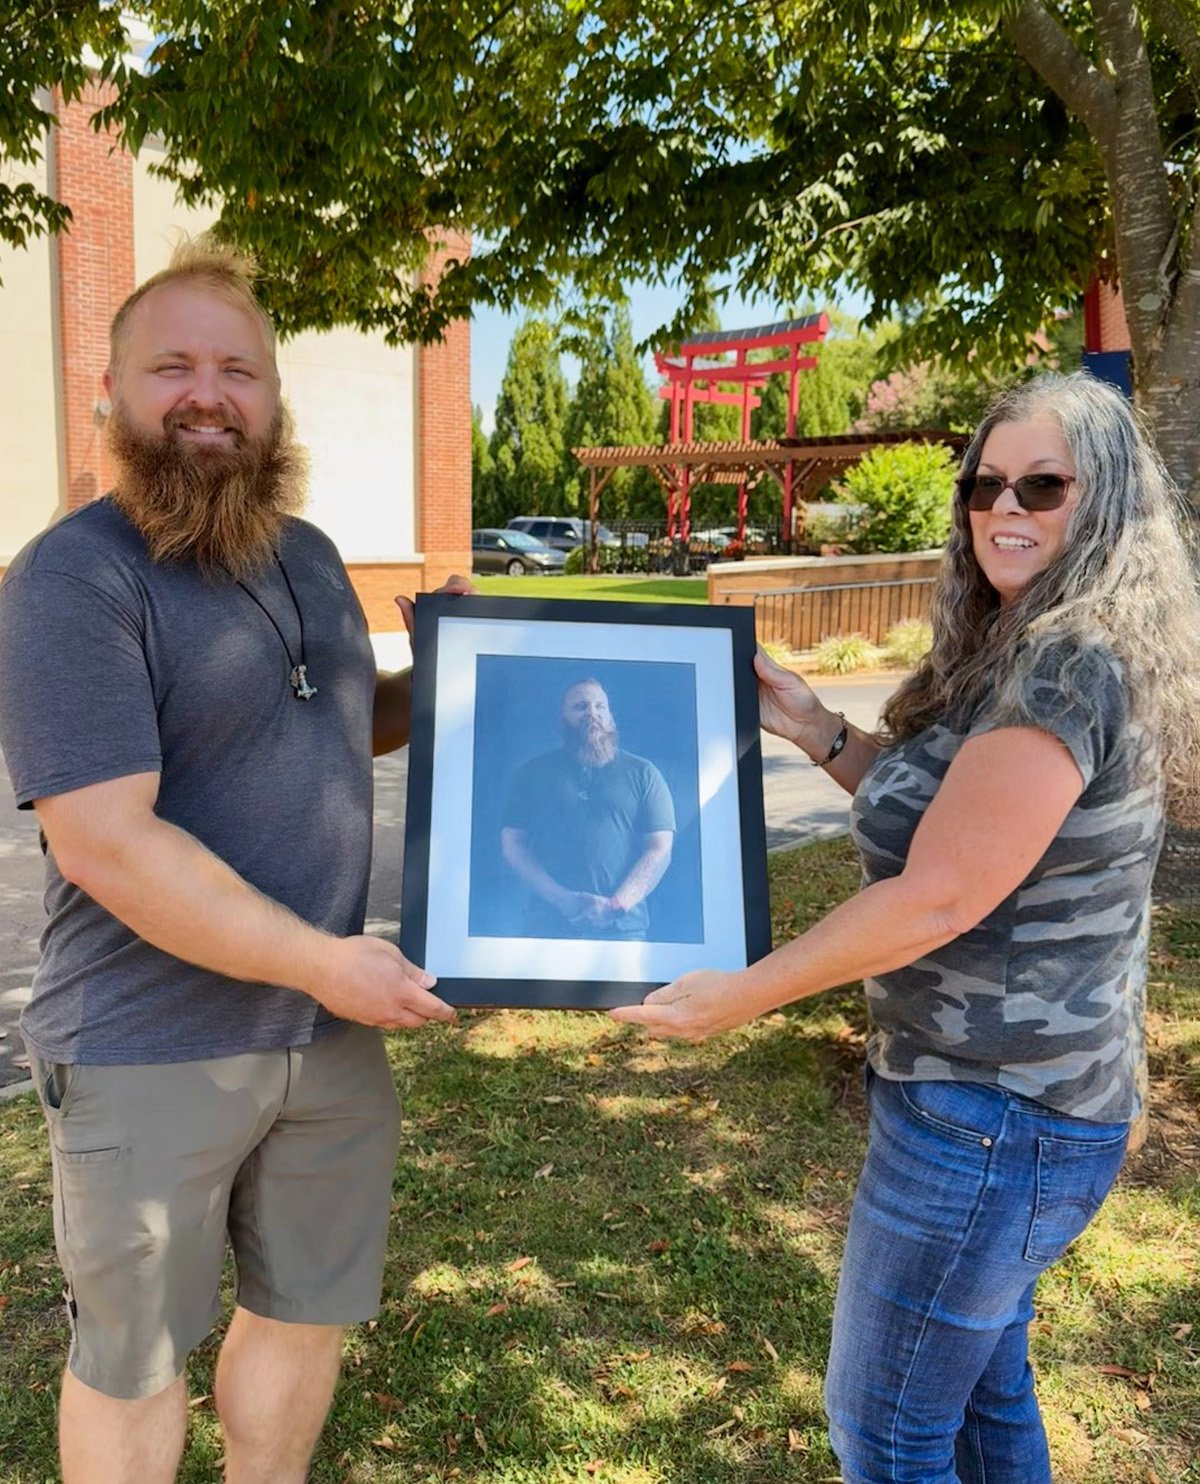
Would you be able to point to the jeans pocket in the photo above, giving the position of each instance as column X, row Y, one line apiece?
column 1073, row 1177
column 969, row 1111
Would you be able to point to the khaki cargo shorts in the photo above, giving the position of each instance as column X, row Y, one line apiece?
column 288, row 1154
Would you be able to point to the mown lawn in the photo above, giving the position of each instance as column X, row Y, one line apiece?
column 611, row 588
column 615, row 1262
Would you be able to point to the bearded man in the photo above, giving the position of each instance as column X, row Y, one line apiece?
column 188, row 700
column 588, row 829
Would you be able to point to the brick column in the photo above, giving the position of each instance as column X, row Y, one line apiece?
column 1104, row 322
column 443, row 516
column 95, row 274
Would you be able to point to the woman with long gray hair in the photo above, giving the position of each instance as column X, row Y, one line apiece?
column 1009, row 815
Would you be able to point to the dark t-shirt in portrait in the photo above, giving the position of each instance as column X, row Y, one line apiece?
column 1045, row 996
column 111, row 665
column 586, row 827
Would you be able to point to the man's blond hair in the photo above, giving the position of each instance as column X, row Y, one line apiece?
column 208, row 263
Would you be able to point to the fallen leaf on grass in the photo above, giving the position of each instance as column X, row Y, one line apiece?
column 500, row 1308
column 716, row 1388
column 199, row 1401
column 594, row 1465
column 384, row 1442
column 479, row 1441
column 796, row 1443
column 1131, row 1435
column 770, row 1349
column 1182, row 1331
column 739, row 1366
column 1142, row 1401
column 661, row 1245
column 553, row 1099
column 1118, row 1370
column 544, row 1173
column 386, row 1402
column 521, row 1262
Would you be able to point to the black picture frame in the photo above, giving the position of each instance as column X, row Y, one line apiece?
column 680, row 682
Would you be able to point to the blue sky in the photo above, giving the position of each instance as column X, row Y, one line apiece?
column 491, row 332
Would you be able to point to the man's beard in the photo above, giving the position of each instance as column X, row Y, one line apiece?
column 222, row 508
column 591, row 744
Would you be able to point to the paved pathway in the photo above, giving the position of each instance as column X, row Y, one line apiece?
column 801, row 804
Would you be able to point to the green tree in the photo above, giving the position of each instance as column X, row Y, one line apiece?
column 612, row 404
column 527, row 444
column 832, row 395
column 981, row 160
column 43, row 47
column 483, row 496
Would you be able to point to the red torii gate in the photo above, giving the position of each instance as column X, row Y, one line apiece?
column 692, row 376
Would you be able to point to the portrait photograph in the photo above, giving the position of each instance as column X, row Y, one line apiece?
column 584, row 815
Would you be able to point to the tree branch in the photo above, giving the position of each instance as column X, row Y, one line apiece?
column 1180, row 30
column 1044, row 44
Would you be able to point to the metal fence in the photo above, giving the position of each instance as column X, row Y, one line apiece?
column 643, row 545
column 802, row 616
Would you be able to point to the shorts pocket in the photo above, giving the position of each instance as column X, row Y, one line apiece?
column 88, row 1156
column 1073, row 1177
column 55, row 1080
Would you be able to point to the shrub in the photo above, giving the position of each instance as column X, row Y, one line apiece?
column 611, row 559
column 906, row 489
column 842, row 653
column 781, row 653
column 905, row 643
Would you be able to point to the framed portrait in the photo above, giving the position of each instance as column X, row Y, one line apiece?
column 585, row 809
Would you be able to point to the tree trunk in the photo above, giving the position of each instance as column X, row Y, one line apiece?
column 1171, row 403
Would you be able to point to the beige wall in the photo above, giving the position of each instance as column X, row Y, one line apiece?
column 352, row 397
column 30, row 474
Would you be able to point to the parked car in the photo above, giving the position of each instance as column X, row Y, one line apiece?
column 563, row 532
column 513, row 552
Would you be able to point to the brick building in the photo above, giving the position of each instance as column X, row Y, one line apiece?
column 388, row 429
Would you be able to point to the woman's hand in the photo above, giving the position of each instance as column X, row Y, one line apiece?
column 698, row 1005
column 787, row 706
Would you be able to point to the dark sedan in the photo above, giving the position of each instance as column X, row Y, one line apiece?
column 513, row 552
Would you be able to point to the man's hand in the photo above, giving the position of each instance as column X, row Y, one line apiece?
column 696, row 1006
column 585, row 906
column 370, row 981
column 460, row 586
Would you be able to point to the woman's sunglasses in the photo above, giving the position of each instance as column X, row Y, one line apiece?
column 1033, row 491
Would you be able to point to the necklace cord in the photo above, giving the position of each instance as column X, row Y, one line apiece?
column 298, row 669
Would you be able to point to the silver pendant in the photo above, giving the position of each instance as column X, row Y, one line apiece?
column 299, row 683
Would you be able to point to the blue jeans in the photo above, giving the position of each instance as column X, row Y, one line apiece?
column 967, row 1194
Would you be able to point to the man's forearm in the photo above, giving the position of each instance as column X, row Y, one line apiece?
column 643, row 876
column 391, row 720
column 174, row 893
column 530, row 871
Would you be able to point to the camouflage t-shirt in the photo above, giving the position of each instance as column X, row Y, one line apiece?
column 1045, row 997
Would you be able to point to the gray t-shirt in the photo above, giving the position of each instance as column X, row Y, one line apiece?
column 1045, row 996
column 587, row 827
column 110, row 665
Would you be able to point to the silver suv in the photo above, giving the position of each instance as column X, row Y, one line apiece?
column 563, row 532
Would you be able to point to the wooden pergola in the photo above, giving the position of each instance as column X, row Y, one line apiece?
column 799, row 466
